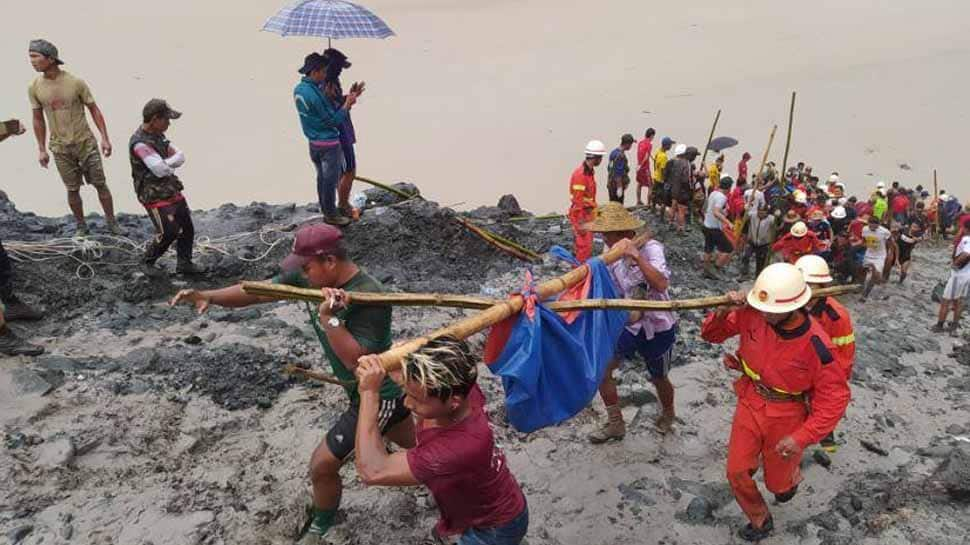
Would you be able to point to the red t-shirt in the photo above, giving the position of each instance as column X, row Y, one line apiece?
column 900, row 204
column 743, row 169
column 467, row 475
column 644, row 149
column 863, row 208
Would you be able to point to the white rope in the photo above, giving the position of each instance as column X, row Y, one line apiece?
column 90, row 251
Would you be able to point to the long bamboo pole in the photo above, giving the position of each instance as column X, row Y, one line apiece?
column 282, row 292
column 385, row 187
column 710, row 137
column 764, row 158
column 939, row 211
column 791, row 119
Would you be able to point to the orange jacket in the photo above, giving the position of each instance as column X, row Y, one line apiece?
column 582, row 190
column 792, row 247
column 835, row 320
column 798, row 361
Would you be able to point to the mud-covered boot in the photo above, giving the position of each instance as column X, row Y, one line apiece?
column 189, row 269
column 750, row 533
column 613, row 430
column 17, row 310
column 12, row 345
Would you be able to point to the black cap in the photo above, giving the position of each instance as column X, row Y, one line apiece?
column 156, row 107
column 313, row 61
column 691, row 152
column 627, row 139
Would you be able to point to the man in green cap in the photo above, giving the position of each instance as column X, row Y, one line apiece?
column 62, row 98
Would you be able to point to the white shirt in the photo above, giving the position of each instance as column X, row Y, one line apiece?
column 717, row 200
column 876, row 243
column 963, row 248
column 754, row 200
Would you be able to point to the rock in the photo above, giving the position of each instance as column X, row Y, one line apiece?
column 192, row 340
column 956, row 429
column 856, row 503
column 873, row 447
column 555, row 230
column 954, row 474
column 14, row 440
column 699, row 509
column 142, row 360
column 27, row 382
column 18, row 534
column 638, row 397
column 635, row 492
column 57, row 363
column 56, row 453
column 510, row 204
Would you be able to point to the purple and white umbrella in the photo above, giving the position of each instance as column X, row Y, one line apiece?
column 331, row 19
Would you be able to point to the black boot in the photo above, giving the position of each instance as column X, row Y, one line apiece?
column 750, row 533
column 12, row 345
column 787, row 496
column 18, row 310
column 189, row 268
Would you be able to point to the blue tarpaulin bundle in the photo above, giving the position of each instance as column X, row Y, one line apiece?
column 552, row 367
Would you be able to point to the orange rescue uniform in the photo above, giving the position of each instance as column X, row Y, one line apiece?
column 782, row 368
column 835, row 320
column 791, row 247
column 582, row 210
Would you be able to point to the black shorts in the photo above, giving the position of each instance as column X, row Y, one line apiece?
column 905, row 251
column 341, row 438
column 715, row 238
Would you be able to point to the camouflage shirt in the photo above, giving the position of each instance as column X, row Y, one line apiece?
column 148, row 187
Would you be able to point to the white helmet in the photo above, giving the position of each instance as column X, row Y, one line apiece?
column 839, row 212
column 815, row 269
column 680, row 149
column 780, row 288
column 834, row 178
column 880, row 184
column 800, row 196
column 595, row 147
column 799, row 229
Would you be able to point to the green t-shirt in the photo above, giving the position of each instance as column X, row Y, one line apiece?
column 370, row 325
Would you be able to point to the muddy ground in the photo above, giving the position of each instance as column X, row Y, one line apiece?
column 145, row 424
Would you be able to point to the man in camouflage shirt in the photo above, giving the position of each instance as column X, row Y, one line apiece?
column 153, row 163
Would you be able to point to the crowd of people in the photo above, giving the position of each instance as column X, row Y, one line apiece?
column 796, row 348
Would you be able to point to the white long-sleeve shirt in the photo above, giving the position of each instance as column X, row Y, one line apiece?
column 160, row 166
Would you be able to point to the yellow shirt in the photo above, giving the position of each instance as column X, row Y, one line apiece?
column 659, row 162
column 713, row 175
column 63, row 100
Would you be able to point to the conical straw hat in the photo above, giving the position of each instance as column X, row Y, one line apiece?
column 612, row 217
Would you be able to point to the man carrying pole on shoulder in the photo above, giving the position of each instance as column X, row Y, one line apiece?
column 788, row 365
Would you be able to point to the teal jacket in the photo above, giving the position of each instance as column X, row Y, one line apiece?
column 319, row 117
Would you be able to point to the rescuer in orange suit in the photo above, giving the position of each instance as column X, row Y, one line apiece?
column 834, row 319
column 582, row 192
column 791, row 394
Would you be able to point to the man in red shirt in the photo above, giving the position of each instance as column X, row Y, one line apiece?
column 582, row 191
column 743, row 167
column 900, row 207
column 456, row 456
column 644, row 176
column 790, row 394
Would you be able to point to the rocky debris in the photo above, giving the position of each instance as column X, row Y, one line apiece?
column 28, row 382
column 700, row 509
column 18, row 534
column 56, row 453
column 510, row 204
column 873, row 447
column 954, row 474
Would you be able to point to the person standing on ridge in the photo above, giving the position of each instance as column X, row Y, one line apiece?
column 618, row 170
column 62, row 98
column 660, row 192
column 791, row 393
column 644, row 174
column 582, row 192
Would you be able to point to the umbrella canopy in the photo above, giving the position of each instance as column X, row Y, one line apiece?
column 722, row 143
column 327, row 19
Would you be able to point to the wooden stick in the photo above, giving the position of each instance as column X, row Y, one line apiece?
column 939, row 211
column 764, row 159
column 502, row 244
column 791, row 118
column 385, row 187
column 684, row 304
column 310, row 374
column 710, row 137
column 292, row 293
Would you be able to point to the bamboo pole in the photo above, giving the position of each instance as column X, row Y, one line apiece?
column 291, row 369
column 764, row 158
column 391, row 359
column 500, row 243
column 791, row 118
column 283, row 292
column 292, row 293
column 545, row 217
column 939, row 211
column 385, row 187
column 710, row 137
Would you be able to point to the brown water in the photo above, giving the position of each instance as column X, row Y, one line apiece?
column 475, row 99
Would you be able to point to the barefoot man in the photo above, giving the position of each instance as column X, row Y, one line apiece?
column 792, row 392
column 346, row 332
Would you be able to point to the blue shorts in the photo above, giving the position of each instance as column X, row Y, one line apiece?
column 510, row 534
column 657, row 352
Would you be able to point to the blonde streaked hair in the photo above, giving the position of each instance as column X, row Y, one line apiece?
column 444, row 367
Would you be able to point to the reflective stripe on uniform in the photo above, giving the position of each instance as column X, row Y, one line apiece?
column 579, row 188
column 844, row 340
column 757, row 378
